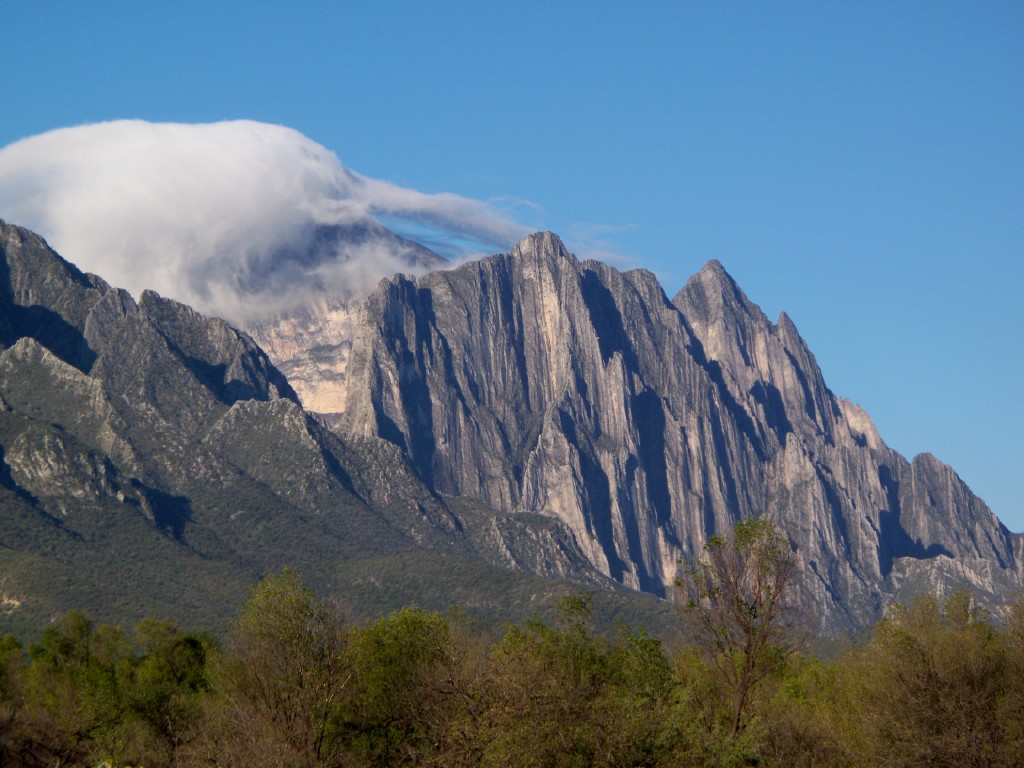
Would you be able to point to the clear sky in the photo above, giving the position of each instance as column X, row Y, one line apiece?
column 859, row 165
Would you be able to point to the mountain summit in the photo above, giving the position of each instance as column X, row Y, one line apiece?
column 538, row 384
column 517, row 418
column 154, row 462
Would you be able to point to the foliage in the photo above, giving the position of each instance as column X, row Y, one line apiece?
column 937, row 683
column 738, row 593
column 84, row 695
column 279, row 682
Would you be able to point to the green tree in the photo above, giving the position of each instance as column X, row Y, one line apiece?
column 71, row 703
column 635, row 714
column 527, row 723
column 164, row 686
column 739, row 595
column 544, row 683
column 804, row 717
column 557, row 696
column 403, row 691
column 937, row 685
column 280, row 682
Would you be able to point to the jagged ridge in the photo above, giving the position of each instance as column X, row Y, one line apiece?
column 538, row 384
column 154, row 462
column 155, row 458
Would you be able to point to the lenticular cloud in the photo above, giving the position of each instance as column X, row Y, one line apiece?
column 195, row 212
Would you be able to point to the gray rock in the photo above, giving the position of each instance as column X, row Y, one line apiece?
column 527, row 410
column 154, row 461
column 536, row 384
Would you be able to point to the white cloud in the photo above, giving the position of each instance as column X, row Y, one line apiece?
column 220, row 216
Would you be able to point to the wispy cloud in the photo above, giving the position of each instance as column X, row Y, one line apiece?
column 221, row 216
column 597, row 241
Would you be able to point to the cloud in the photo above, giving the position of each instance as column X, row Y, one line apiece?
column 227, row 217
column 595, row 241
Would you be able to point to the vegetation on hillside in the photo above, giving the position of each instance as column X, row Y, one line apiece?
column 935, row 683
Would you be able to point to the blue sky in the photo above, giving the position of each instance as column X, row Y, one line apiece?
column 858, row 165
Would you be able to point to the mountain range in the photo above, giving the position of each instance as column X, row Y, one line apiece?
column 490, row 435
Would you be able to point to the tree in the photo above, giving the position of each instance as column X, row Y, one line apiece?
column 164, row 687
column 542, row 694
column 280, row 682
column 738, row 593
column 936, row 685
column 405, row 675
column 72, row 704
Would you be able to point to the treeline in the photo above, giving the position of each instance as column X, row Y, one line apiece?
column 936, row 684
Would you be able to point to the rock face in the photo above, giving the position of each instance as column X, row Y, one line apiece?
column 525, row 412
column 153, row 460
column 311, row 346
column 537, row 384
column 310, row 343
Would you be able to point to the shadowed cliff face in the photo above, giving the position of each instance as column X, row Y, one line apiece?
column 535, row 383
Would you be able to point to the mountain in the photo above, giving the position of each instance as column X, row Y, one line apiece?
column 492, row 436
column 154, row 462
column 541, row 386
column 310, row 343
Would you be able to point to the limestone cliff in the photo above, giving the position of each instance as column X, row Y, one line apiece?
column 526, row 411
column 310, row 342
column 537, row 384
column 310, row 346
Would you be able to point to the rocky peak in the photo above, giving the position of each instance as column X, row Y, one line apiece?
column 535, row 383
column 310, row 343
column 539, row 385
column 32, row 273
column 542, row 245
column 153, row 461
column 531, row 385
column 766, row 366
column 44, row 297
column 226, row 360
column 182, row 369
column 712, row 296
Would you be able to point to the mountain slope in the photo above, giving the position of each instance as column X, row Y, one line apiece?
column 153, row 462
column 112, row 410
column 522, row 416
column 537, row 384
